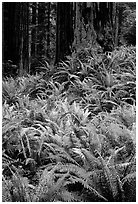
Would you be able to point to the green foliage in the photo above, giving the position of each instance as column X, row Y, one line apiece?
column 72, row 137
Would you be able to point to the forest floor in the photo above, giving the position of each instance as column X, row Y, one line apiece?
column 70, row 135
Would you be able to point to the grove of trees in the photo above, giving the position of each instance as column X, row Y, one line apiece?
column 51, row 31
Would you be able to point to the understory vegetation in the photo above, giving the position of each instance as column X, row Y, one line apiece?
column 69, row 132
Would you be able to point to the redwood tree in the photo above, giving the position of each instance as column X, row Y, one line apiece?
column 34, row 29
column 23, row 38
column 10, row 51
column 16, row 34
column 48, row 29
column 64, row 30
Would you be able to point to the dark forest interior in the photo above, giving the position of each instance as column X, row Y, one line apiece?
column 52, row 31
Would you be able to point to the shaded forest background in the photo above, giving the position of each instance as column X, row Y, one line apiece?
column 37, row 33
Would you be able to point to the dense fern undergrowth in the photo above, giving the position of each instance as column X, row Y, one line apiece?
column 69, row 135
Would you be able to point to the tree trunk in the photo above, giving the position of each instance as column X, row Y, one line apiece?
column 16, row 34
column 9, row 40
column 48, row 31
column 41, row 29
column 24, row 39
column 104, row 24
column 85, row 35
column 64, row 30
column 116, row 26
column 34, row 30
column 78, row 24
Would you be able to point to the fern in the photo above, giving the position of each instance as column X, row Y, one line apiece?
column 86, row 187
column 91, row 161
column 52, row 192
column 66, row 196
column 72, row 135
column 6, row 188
column 113, row 182
column 48, row 189
column 130, row 177
column 19, row 188
column 64, row 154
column 78, row 175
column 75, row 141
column 129, row 186
column 45, row 180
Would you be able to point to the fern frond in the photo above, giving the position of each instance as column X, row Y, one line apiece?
column 45, row 181
column 67, row 196
column 79, row 175
column 129, row 186
column 75, row 140
column 122, row 168
column 92, row 161
column 114, row 155
column 73, row 170
column 64, row 154
column 130, row 177
column 19, row 189
column 6, row 188
column 94, row 193
column 54, row 189
column 113, row 181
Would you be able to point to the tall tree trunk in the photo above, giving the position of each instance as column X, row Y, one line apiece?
column 85, row 35
column 116, row 26
column 48, row 30
column 24, row 39
column 34, row 30
column 78, row 24
column 64, row 30
column 104, row 24
column 10, row 22
column 16, row 34
column 41, row 29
